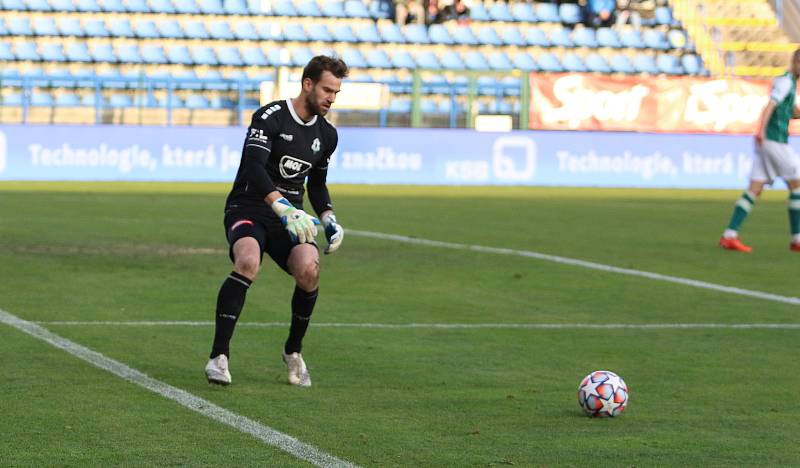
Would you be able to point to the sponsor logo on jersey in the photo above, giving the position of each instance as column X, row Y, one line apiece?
column 270, row 110
column 258, row 135
column 287, row 137
column 292, row 167
column 315, row 145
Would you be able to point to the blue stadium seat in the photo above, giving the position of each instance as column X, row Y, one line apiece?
column 78, row 52
column 462, row 34
column 400, row 105
column 97, row 28
column 67, row 99
column 258, row 7
column 246, row 31
column 377, row 58
column 677, row 39
column 607, row 37
column 229, row 56
column 499, row 11
column 439, row 34
column 170, row 29
column 129, row 53
column 368, row 33
column 572, row 62
column 27, row 51
column 511, row 86
column 428, row 106
column 692, row 64
column 353, row 58
column 213, row 80
column 121, row 28
column 41, row 99
column 511, row 36
column 38, row 5
column 112, row 79
column 356, row 9
column 475, row 60
column 523, row 12
column 88, row 6
column 295, row 32
column 570, row 13
column 488, row 35
column 669, row 64
column 645, row 63
column 663, row 15
column 435, row 84
column 186, row 80
column 391, row 33
column 36, row 77
column 3, row 29
column 254, row 57
column 584, row 37
column 120, row 101
column 235, row 7
column 498, row 60
column 194, row 29
column 333, row 9
column 597, row 63
column 203, row 55
column 103, row 53
column 70, row 26
column 537, row 37
column 301, row 56
column 620, row 63
column 141, row 6
column 154, row 54
column 196, row 101
column 186, row 7
column 319, row 32
column 403, row 59
column 270, row 31
column 13, row 5
column 6, row 54
column 487, row 86
column 9, row 76
column 211, row 7
column 416, row 34
column 63, row 6
column 113, row 6
column 20, row 26
column 179, row 54
column 221, row 30
column 549, row 62
column 559, row 37
column 523, row 61
column 279, row 57
column 547, row 12
column 284, row 8
column 91, row 99
column 450, row 60
column 157, row 6
column 655, row 39
column 633, row 38
column 381, row 9
column 427, row 59
column 477, row 12
column 146, row 29
column 53, row 53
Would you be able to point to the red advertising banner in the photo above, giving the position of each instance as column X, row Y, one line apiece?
column 577, row 101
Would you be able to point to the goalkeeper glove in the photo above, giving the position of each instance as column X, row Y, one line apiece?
column 333, row 232
column 301, row 225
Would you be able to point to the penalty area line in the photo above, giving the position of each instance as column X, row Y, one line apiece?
column 581, row 263
column 188, row 400
column 445, row 326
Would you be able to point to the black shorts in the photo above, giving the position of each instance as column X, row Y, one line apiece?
column 265, row 228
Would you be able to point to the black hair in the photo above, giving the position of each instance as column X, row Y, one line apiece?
column 321, row 63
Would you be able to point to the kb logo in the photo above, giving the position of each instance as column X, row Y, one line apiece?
column 514, row 158
column 3, row 152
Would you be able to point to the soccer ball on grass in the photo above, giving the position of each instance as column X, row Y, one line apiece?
column 603, row 393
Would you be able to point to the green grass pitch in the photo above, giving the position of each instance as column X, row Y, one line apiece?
column 126, row 252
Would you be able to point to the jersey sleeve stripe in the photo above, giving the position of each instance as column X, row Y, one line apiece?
column 260, row 146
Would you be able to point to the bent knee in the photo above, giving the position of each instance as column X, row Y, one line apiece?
column 248, row 265
column 307, row 275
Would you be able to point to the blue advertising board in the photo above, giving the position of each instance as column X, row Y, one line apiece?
column 386, row 156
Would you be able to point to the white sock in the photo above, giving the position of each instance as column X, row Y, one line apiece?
column 730, row 234
column 796, row 239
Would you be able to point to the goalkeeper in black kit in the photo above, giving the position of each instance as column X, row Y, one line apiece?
column 287, row 142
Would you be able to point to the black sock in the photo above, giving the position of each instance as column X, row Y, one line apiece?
column 302, row 306
column 229, row 305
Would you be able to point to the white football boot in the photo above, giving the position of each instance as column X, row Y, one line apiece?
column 298, row 372
column 217, row 370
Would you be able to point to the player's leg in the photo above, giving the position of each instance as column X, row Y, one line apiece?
column 759, row 176
column 303, row 264
column 246, row 239
column 794, row 213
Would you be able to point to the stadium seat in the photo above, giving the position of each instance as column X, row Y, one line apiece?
column 38, row 5
column 391, row 32
column 179, row 54
column 477, row 12
column 381, row 9
column 547, row 12
column 547, row 61
column 254, row 57
column 669, row 64
column 121, row 28
column 645, row 63
column 45, row 26
column 186, row 7
column 511, row 36
column 129, row 53
column 511, row 86
column 91, row 100
column 211, row 7
column 377, row 58
column 146, row 29
column 102, row 53
column 597, row 63
column 97, row 28
column 36, row 77
column 663, row 15
column 279, row 57
column 333, row 9
column 343, row 33
column 559, row 37
column 416, row 34
column 245, row 31
column 403, row 59
column 435, row 84
column 221, row 30
column 572, row 62
column 400, row 105
column 111, row 79
column 78, row 52
column 258, row 7
column 523, row 12
column 451, row 60
column 632, row 38
column 692, row 64
column 20, row 26
column 112, row 6
column 356, row 9
column 487, row 35
column 187, row 79
column 284, row 8
column 213, row 80
column 475, row 60
column 194, row 29
column 196, row 101
column 3, row 29
column 88, row 6
column 677, row 39
column 620, row 63
column 27, row 51
column 354, row 58
column 295, row 32
column 655, row 39
column 41, row 99
column 63, row 6
column 368, row 33
column 120, row 101
column 140, row 6
column 536, row 36
column 203, row 55
column 66, row 99
column 427, row 59
column 570, row 13
column 499, row 11
column 439, row 35
column 498, row 60
column 70, row 27
column 523, row 61
column 170, row 29
column 154, row 54
column 235, row 7
column 584, row 37
column 6, row 54
column 607, row 37
column 13, row 5
column 462, row 34
column 270, row 31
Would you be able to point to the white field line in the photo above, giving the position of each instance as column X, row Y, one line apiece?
column 583, row 264
column 264, row 433
column 444, row 326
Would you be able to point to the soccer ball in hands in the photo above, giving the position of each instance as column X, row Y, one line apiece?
column 603, row 393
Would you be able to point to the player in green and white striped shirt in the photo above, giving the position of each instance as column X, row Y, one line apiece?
column 774, row 158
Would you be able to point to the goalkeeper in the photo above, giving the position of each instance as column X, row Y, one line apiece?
column 288, row 145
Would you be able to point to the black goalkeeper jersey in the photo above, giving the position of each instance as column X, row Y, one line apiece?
column 280, row 152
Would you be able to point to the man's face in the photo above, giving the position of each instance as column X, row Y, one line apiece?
column 322, row 94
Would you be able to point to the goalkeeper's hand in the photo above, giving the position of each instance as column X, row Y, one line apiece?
column 333, row 232
column 301, row 225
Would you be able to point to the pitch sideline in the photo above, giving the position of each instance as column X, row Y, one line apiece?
column 199, row 405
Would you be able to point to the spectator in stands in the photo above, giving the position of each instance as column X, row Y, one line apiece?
column 433, row 14
column 599, row 13
column 408, row 12
column 458, row 12
column 633, row 11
